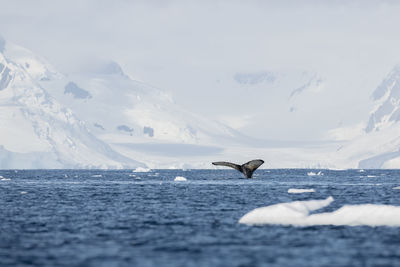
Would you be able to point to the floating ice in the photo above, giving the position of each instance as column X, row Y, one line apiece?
column 4, row 178
column 299, row 191
column 141, row 169
column 298, row 214
column 180, row 179
column 315, row 174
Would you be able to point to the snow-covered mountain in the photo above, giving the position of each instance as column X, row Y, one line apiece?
column 138, row 120
column 120, row 109
column 36, row 131
column 387, row 98
column 375, row 144
column 98, row 117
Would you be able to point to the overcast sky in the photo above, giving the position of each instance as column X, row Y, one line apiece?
column 189, row 47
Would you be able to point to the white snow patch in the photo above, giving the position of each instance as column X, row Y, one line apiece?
column 141, row 169
column 299, row 191
column 298, row 214
column 180, row 179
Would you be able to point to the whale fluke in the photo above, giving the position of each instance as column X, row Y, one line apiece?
column 247, row 169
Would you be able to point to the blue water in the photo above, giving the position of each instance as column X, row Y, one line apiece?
column 109, row 218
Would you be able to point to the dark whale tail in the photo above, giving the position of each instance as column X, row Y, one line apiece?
column 247, row 169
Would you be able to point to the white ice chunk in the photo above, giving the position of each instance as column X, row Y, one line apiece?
column 298, row 214
column 299, row 191
column 315, row 174
column 180, row 179
column 141, row 169
column 4, row 178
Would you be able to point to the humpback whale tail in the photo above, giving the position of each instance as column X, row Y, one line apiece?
column 247, row 169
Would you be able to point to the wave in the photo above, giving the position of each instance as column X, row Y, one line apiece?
column 297, row 213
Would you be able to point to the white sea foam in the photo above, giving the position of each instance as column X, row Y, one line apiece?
column 298, row 214
column 141, row 169
column 132, row 175
column 23, row 192
column 97, row 175
column 371, row 176
column 299, row 191
column 396, row 188
column 180, row 179
column 361, row 170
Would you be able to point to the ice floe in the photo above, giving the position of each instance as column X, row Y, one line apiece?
column 299, row 191
column 297, row 213
column 180, row 179
column 141, row 169
column 4, row 178
column 315, row 174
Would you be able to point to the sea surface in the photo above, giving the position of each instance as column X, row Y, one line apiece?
column 123, row 218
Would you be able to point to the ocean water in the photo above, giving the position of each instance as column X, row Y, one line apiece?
column 121, row 218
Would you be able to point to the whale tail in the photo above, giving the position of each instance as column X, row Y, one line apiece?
column 247, row 169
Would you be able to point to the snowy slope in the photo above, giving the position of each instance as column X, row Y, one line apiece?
column 375, row 144
column 36, row 131
column 138, row 120
column 114, row 105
